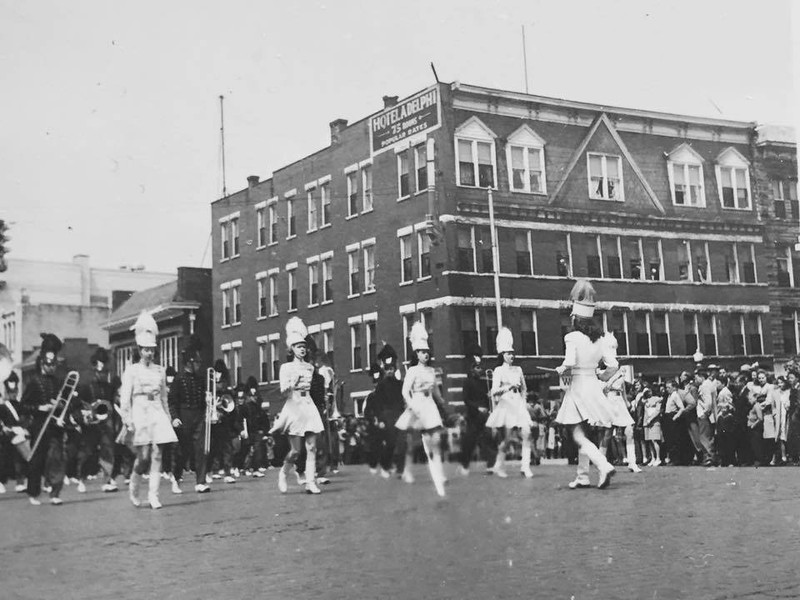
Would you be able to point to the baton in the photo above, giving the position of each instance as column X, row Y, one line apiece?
column 548, row 369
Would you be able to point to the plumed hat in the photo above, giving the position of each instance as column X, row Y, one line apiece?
column 50, row 343
column 473, row 354
column 170, row 371
column 387, row 357
column 296, row 332
column 375, row 372
column 193, row 346
column 582, row 296
column 252, row 383
column 146, row 330
column 418, row 337
column 505, row 340
column 99, row 355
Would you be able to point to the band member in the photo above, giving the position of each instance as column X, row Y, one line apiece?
column 222, row 427
column 99, row 418
column 387, row 406
column 476, row 400
column 423, row 403
column 38, row 400
column 299, row 418
column 584, row 402
column 15, row 445
column 256, row 421
column 511, row 410
column 143, row 398
column 319, row 397
column 621, row 419
column 187, row 408
column 368, row 412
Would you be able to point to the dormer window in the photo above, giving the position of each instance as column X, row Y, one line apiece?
column 605, row 177
column 685, row 168
column 733, row 180
column 476, row 164
column 525, row 158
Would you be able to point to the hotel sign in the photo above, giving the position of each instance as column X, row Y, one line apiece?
column 415, row 115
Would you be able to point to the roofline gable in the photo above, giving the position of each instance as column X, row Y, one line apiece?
column 730, row 150
column 474, row 121
column 685, row 147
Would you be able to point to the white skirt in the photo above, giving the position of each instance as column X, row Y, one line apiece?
column 151, row 425
column 584, row 401
column 615, row 405
column 421, row 414
column 298, row 417
column 510, row 412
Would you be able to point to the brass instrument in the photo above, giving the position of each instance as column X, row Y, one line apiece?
column 60, row 406
column 211, row 407
column 96, row 412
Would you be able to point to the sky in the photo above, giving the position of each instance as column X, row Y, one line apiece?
column 110, row 121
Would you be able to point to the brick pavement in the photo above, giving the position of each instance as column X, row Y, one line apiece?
column 668, row 533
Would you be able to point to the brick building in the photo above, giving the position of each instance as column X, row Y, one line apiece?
column 391, row 223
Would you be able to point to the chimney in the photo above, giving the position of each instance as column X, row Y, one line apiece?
column 82, row 261
column 389, row 101
column 337, row 127
column 252, row 181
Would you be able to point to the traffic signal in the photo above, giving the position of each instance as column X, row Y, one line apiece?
column 3, row 240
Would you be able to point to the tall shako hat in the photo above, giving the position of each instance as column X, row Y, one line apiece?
column 473, row 354
column 193, row 346
column 50, row 343
column 387, row 357
column 99, row 355
column 582, row 296
column 146, row 330
column 375, row 372
column 505, row 340
column 296, row 332
column 418, row 337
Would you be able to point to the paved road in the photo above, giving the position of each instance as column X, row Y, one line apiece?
column 668, row 533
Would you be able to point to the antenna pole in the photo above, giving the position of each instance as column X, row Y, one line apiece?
column 222, row 138
column 525, row 58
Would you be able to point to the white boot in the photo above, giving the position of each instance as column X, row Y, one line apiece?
column 133, row 488
column 311, row 473
column 630, row 449
column 437, row 474
column 499, row 467
column 283, row 487
column 154, row 482
column 525, row 468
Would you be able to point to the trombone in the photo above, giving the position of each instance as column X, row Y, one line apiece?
column 211, row 407
column 60, row 406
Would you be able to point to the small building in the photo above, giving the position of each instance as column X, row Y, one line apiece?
column 181, row 307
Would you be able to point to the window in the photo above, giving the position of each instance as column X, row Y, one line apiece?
column 653, row 256
column 605, row 177
column 290, row 219
column 226, row 357
column 325, row 200
column 168, row 352
column 403, row 184
column 424, row 245
column 355, row 347
column 784, row 194
column 790, row 325
column 632, row 258
column 406, row 260
column 352, row 194
column 731, row 263
column 687, row 185
column 692, row 338
column 369, row 268
column 263, row 362
column 528, row 333
column 737, row 335
column 236, row 303
column 370, row 328
column 261, row 223
column 684, row 260
column 313, row 284
column 466, row 249
column 616, row 321
column 366, row 187
column 611, row 250
column 225, row 242
column 327, row 341
column 659, row 331
column 563, row 256
column 468, row 325
column 237, row 366
column 421, row 164
column 273, row 294
column 475, row 154
column 707, row 330
column 292, row 280
column 313, row 223
column 226, row 307
column 641, row 327
column 525, row 158
column 752, row 329
column 749, row 265
column 784, row 267
column 490, row 330
column 327, row 279
column 353, row 265
column 594, row 262
column 700, row 262
column 273, row 223
column 483, row 241
column 733, row 179
column 523, row 252
column 234, row 238
column 262, row 298
column 274, row 354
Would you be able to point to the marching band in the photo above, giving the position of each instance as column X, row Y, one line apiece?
column 204, row 425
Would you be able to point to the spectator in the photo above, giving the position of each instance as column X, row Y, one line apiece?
column 652, row 425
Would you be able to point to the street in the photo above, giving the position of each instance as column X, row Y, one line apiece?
column 679, row 532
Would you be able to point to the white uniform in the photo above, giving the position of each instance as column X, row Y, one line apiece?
column 421, row 413
column 299, row 415
column 615, row 403
column 584, row 399
column 143, row 399
column 511, row 409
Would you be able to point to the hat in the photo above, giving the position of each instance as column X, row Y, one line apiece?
column 170, row 371
column 582, row 296
column 387, row 357
column 311, row 344
column 50, row 343
column 473, row 354
column 146, row 330
column 505, row 340
column 713, row 367
column 251, row 383
column 418, row 337
column 375, row 371
column 745, row 367
column 221, row 367
column 99, row 355
column 296, row 332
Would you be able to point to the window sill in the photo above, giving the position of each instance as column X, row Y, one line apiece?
column 356, row 370
column 313, row 305
column 477, row 187
column 350, row 217
column 326, row 226
column 676, row 205
column 748, row 209
column 426, row 278
column 326, row 302
column 226, row 326
column 351, row 296
column 403, row 198
column 261, row 247
column 366, row 212
column 261, row 318
column 292, row 310
column 620, row 200
column 236, row 324
column 311, row 230
column 274, row 243
column 404, row 283
column 369, row 292
column 273, row 315
column 528, row 193
column 291, row 237
column 222, row 260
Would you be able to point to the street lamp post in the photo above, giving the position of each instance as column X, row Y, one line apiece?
column 495, row 262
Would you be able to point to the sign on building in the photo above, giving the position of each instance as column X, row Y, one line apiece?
column 418, row 114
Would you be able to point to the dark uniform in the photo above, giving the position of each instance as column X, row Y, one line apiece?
column 187, row 402
column 98, row 437
column 476, row 397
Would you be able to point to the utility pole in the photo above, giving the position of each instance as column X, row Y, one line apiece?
column 495, row 262
column 525, row 58
column 222, row 138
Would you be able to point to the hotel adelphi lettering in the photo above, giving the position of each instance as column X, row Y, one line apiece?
column 409, row 117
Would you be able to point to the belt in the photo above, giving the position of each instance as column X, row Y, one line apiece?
column 303, row 393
